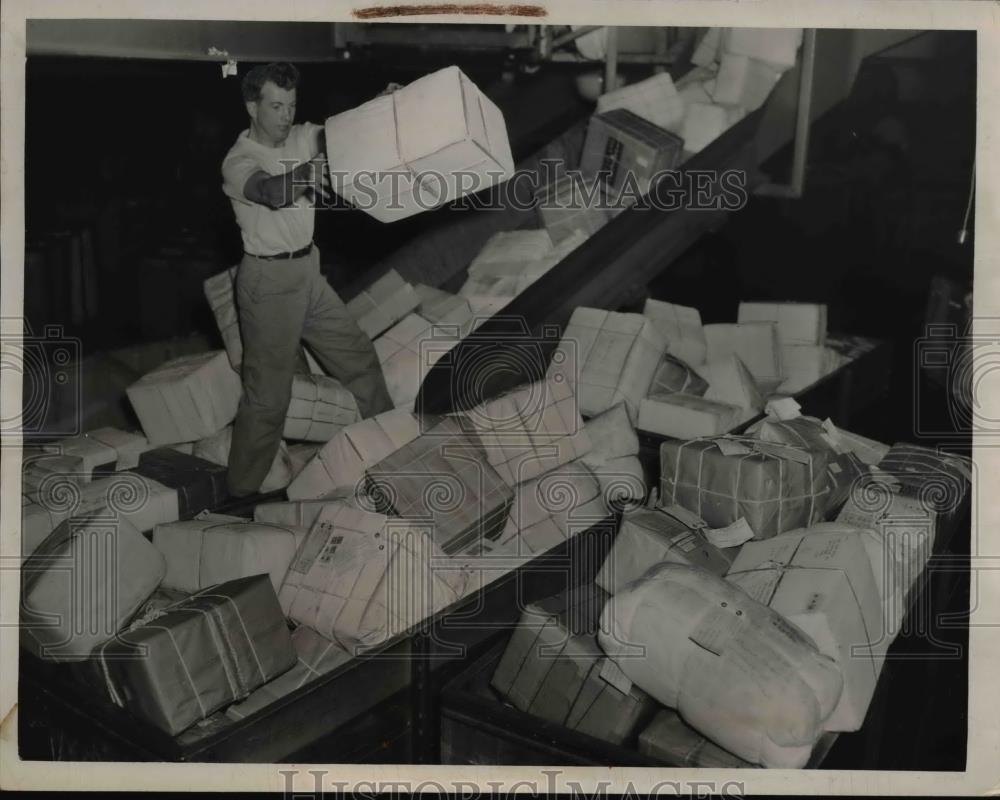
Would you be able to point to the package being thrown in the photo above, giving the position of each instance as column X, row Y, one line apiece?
column 414, row 149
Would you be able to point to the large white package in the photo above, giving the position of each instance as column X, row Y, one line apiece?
column 320, row 406
column 734, row 669
column 216, row 449
column 553, row 508
column 804, row 364
column 756, row 344
column 654, row 99
column 220, row 293
column 433, row 128
column 407, row 351
column 685, row 416
column 729, row 381
column 682, row 327
column 744, row 82
column 186, row 399
column 214, row 548
column 618, row 355
column 612, row 456
column 776, row 46
column 361, row 578
column 342, row 461
column 383, row 304
column 82, row 584
column 798, row 323
column 706, row 122
column 530, row 430
column 823, row 583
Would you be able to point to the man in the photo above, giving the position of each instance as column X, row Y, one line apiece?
column 273, row 175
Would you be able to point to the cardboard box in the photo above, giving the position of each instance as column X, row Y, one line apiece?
column 214, row 548
column 211, row 649
column 673, row 376
column 823, row 583
column 315, row 656
column 186, row 399
column 530, row 430
column 220, row 291
column 683, row 416
column 554, row 669
column 669, row 739
column 552, row 508
column 744, row 82
column 650, row 536
column 407, row 351
column 439, row 125
column 729, row 381
column 342, row 461
column 571, row 206
column 774, row 487
column 798, row 323
column 756, row 344
column 383, row 304
column 655, row 99
column 82, row 583
column 443, row 477
column 682, row 328
column 618, row 355
column 216, row 449
column 626, row 148
column 320, row 406
column 361, row 578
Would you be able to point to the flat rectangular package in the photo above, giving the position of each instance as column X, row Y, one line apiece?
column 220, row 292
column 669, row 739
column 320, row 406
column 729, row 381
column 681, row 325
column 798, row 323
column 297, row 513
column 618, row 355
column 683, row 416
column 361, row 578
column 82, row 583
column 444, row 478
column 823, row 583
column 629, row 150
column 209, row 650
column 612, row 457
column 573, row 205
column 383, row 304
column 650, row 536
column 186, row 399
column 655, row 99
column 756, row 344
column 774, row 487
column 554, row 669
column 673, row 376
column 102, row 450
column 215, row 548
column 342, row 461
column 529, row 430
column 199, row 484
column 440, row 125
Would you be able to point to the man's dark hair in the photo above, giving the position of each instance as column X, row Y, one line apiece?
column 283, row 75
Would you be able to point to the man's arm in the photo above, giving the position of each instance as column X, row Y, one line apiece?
column 278, row 191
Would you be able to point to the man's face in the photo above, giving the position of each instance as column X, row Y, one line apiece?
column 274, row 112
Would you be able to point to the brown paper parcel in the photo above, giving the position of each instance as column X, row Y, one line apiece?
column 774, row 487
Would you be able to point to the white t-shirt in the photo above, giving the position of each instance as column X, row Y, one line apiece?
column 268, row 231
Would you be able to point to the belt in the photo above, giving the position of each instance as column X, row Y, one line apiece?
column 285, row 256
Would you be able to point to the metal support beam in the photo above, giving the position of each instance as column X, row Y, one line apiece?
column 800, row 153
column 611, row 60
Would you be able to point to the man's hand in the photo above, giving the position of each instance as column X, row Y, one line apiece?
column 389, row 89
